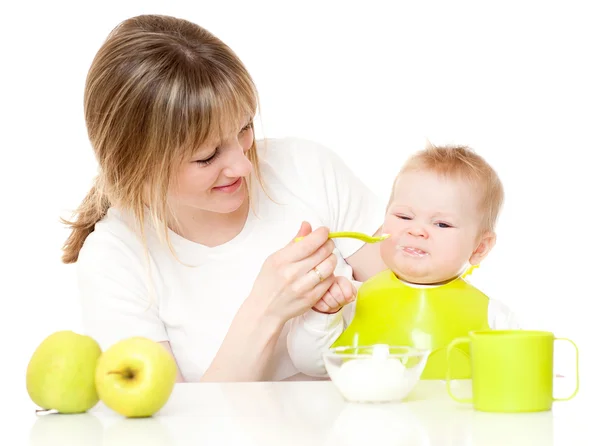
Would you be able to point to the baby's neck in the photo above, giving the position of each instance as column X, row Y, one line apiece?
column 426, row 285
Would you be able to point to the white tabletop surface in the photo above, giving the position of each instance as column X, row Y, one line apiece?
column 310, row 413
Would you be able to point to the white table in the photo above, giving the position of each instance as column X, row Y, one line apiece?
column 312, row 413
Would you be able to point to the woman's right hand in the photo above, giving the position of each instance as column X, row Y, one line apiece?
column 293, row 279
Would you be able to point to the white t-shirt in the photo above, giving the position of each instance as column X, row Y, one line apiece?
column 311, row 334
column 192, row 306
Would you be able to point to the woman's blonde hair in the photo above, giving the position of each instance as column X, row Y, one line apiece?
column 462, row 162
column 158, row 88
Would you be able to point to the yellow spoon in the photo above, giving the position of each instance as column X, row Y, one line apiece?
column 357, row 235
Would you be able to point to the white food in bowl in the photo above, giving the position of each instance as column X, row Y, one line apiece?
column 379, row 377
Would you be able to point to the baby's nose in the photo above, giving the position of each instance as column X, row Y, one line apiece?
column 418, row 231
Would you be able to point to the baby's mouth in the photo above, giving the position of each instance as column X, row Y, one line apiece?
column 414, row 252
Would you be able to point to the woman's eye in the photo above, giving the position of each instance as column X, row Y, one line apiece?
column 210, row 159
column 246, row 127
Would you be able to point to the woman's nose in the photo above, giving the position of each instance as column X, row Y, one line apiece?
column 239, row 165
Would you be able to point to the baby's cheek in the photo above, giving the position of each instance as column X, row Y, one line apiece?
column 390, row 225
column 451, row 265
column 388, row 251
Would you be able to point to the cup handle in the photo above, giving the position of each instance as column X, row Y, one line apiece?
column 576, row 370
column 449, row 348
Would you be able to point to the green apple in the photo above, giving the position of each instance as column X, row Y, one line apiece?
column 61, row 373
column 135, row 377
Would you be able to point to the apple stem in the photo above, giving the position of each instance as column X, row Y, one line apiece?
column 128, row 374
column 43, row 411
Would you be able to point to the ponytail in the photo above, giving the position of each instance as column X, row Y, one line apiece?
column 91, row 210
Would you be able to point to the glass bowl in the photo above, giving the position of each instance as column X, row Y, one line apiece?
column 375, row 373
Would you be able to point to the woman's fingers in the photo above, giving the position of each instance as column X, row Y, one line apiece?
column 313, row 296
column 293, row 279
column 310, row 243
column 316, row 258
column 305, row 229
column 316, row 275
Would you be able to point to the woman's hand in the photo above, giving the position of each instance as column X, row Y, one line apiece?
column 293, row 279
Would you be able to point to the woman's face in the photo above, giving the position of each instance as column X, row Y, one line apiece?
column 213, row 179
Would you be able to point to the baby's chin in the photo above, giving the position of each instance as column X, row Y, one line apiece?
column 419, row 278
column 418, row 273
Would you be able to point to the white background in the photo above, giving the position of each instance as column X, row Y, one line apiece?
column 517, row 81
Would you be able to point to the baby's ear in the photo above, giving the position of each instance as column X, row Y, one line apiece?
column 486, row 243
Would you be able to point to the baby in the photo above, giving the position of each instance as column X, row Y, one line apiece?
column 441, row 218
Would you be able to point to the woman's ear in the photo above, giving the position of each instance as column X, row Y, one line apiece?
column 486, row 243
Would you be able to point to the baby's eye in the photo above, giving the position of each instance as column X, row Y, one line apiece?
column 443, row 225
column 403, row 217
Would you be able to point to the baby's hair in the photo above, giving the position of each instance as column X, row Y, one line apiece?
column 461, row 162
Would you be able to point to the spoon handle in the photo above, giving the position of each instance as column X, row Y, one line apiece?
column 356, row 235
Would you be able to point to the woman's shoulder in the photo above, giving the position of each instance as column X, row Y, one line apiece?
column 113, row 241
column 294, row 167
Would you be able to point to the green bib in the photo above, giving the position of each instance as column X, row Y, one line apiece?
column 389, row 311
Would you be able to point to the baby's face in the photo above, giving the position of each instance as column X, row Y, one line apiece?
column 433, row 224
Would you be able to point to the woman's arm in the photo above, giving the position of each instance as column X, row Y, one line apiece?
column 245, row 351
column 285, row 288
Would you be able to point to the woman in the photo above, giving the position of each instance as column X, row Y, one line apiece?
column 187, row 236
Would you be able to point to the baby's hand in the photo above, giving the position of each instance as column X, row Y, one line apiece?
column 340, row 293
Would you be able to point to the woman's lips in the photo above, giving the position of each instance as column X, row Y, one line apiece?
column 228, row 188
